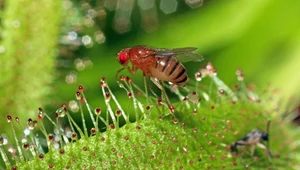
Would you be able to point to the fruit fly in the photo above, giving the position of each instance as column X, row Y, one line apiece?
column 255, row 137
column 159, row 63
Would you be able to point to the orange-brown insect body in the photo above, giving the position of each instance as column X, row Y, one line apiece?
column 166, row 68
column 142, row 58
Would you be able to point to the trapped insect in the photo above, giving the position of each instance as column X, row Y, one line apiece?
column 254, row 138
column 159, row 63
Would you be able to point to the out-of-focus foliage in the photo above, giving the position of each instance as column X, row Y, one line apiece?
column 29, row 33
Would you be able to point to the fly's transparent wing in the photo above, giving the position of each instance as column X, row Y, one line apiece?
column 183, row 54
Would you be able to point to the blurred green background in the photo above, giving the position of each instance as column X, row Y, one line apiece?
column 48, row 48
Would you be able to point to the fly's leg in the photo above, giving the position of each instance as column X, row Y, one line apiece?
column 235, row 150
column 150, row 88
column 261, row 145
column 132, row 70
column 252, row 148
column 164, row 94
column 146, row 89
column 242, row 161
column 116, row 77
column 160, row 86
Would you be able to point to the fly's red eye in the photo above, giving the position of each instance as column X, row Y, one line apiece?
column 123, row 58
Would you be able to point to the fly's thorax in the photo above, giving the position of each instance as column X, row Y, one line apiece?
column 140, row 52
column 144, row 63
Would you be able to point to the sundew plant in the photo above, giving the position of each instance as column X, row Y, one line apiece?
column 196, row 132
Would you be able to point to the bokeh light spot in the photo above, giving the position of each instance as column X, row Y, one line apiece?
column 146, row 4
column 71, row 78
column 101, row 14
column 16, row 23
column 89, row 22
column 73, row 105
column 87, row 41
column 110, row 4
column 88, row 63
column 2, row 49
column 194, row 3
column 72, row 35
column 92, row 13
column 168, row 6
column 79, row 64
column 122, row 25
column 99, row 37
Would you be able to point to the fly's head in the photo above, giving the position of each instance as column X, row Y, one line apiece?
column 123, row 56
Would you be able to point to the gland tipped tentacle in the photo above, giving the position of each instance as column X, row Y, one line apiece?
column 82, row 115
column 179, row 135
column 109, row 109
column 90, row 111
column 118, row 104
column 16, row 139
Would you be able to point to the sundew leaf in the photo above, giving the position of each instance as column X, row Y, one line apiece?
column 195, row 133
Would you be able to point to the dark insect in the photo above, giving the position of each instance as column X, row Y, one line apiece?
column 255, row 138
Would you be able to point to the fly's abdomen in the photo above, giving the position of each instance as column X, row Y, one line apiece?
column 172, row 70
